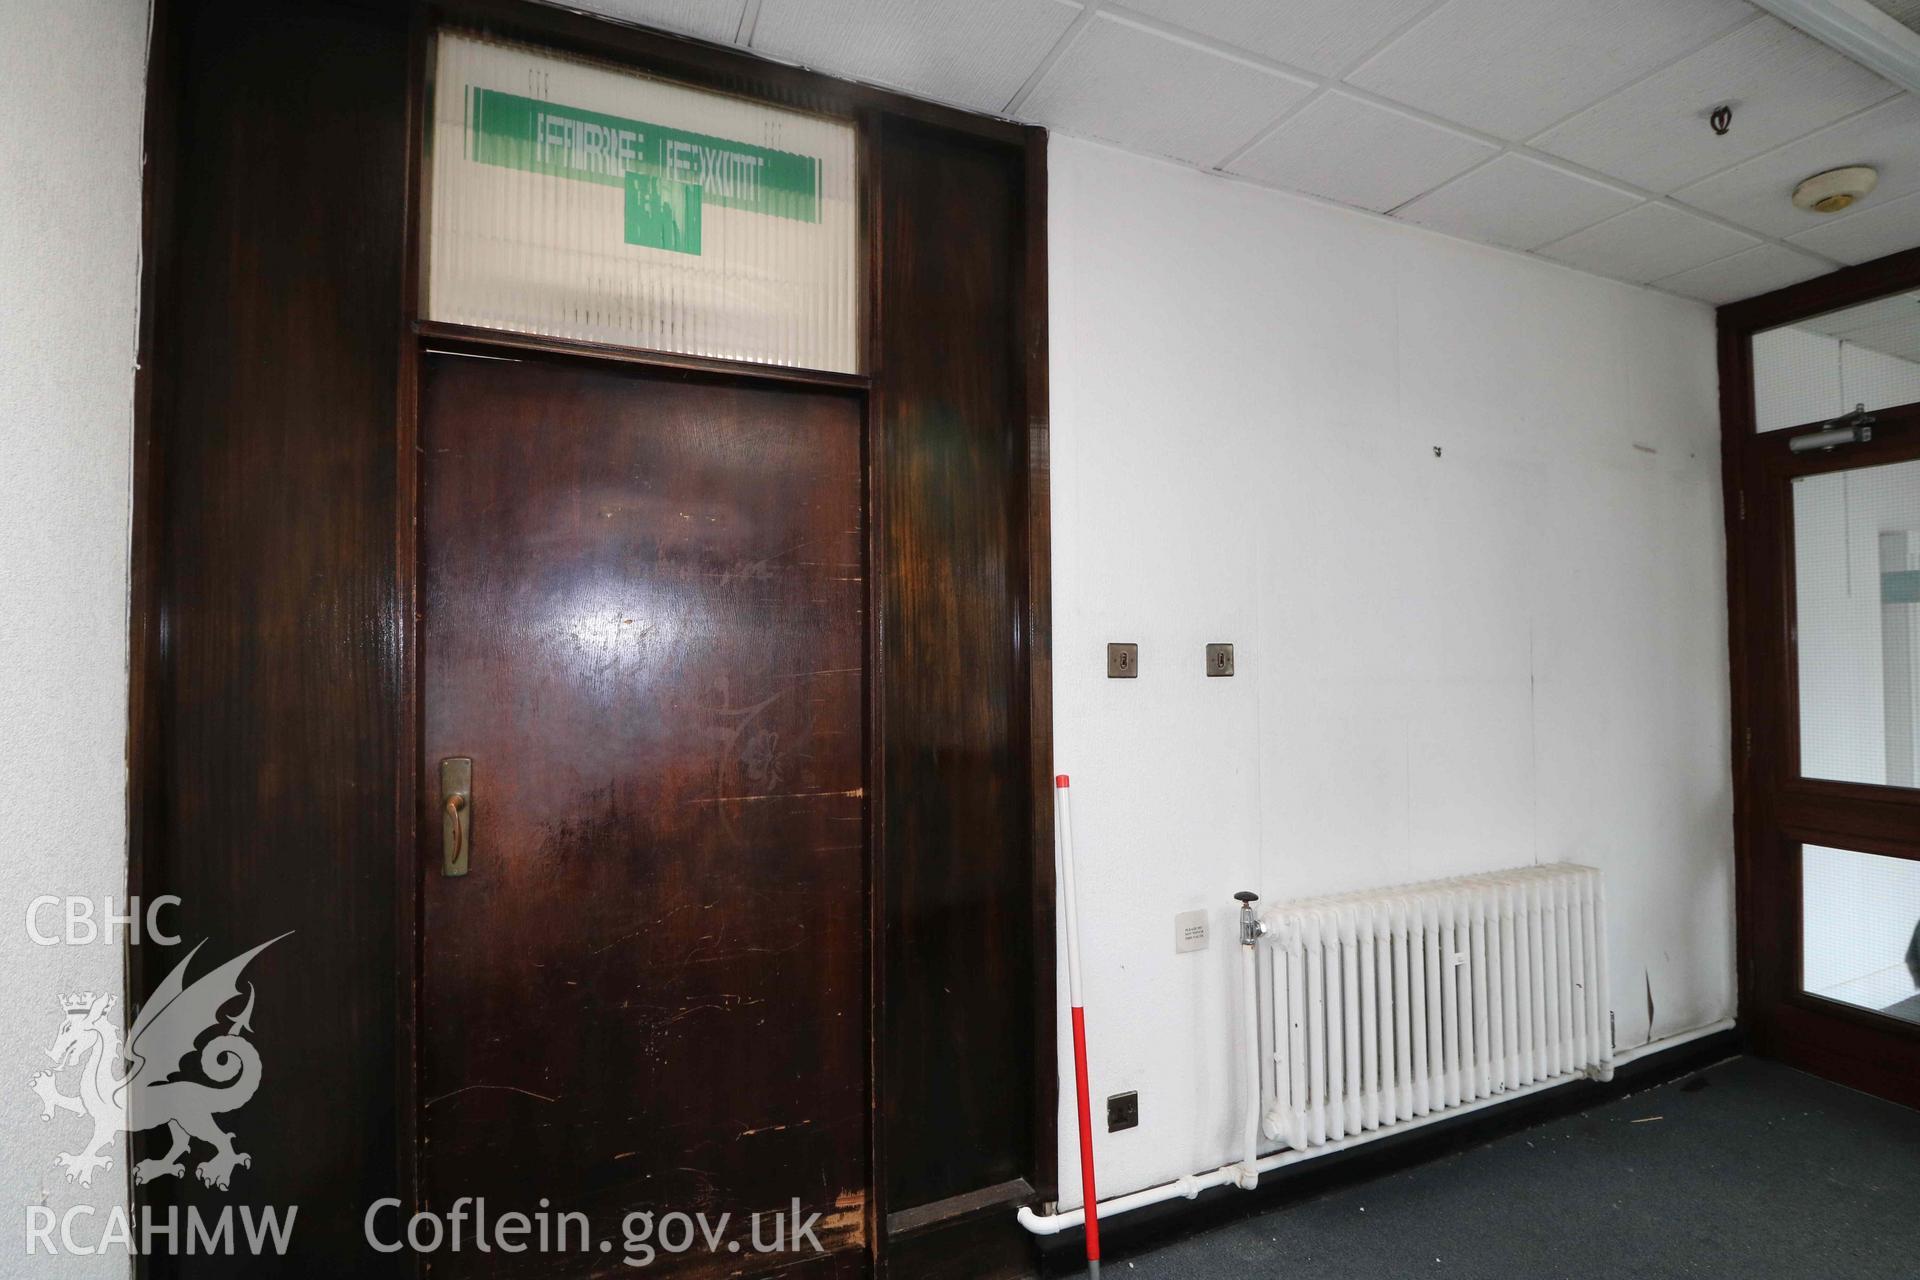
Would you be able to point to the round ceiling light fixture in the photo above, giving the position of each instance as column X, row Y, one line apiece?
column 1834, row 190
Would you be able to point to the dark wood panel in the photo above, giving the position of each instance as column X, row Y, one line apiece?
column 146, row 686
column 1736, row 406
column 273, row 736
column 470, row 338
column 985, row 1244
column 957, row 1021
column 1840, row 288
column 1855, row 1048
column 1038, row 656
column 267, row 706
column 643, row 622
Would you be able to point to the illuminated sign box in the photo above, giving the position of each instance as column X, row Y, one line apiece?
column 574, row 200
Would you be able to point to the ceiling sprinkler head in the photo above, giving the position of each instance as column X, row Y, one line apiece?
column 1834, row 190
column 1721, row 120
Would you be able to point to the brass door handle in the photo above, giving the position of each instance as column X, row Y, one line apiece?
column 456, row 815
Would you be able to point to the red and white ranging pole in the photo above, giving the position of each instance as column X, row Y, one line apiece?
column 1063, row 848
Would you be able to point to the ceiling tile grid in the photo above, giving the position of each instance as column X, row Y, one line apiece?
column 1517, row 202
column 975, row 55
column 1647, row 242
column 1313, row 150
column 1513, row 67
column 1324, row 36
column 1906, row 12
column 1886, row 137
column 1871, row 233
column 1121, row 82
column 1780, row 84
column 716, row 20
column 1574, row 129
column 1751, row 271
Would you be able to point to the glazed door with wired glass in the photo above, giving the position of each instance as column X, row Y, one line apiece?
column 1829, row 530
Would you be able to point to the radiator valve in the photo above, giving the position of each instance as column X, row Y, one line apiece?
column 1251, row 926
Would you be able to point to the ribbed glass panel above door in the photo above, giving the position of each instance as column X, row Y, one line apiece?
column 576, row 200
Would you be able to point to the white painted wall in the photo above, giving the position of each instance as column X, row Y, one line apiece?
column 1513, row 652
column 71, row 79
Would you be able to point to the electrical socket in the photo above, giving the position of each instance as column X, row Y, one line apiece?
column 1123, row 1112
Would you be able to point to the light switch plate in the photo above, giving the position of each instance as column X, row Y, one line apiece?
column 1190, row 931
column 1123, row 661
column 1219, row 659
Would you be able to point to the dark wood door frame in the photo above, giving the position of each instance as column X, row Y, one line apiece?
column 1775, row 810
column 377, row 198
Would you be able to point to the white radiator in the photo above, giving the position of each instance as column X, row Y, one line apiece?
column 1394, row 1005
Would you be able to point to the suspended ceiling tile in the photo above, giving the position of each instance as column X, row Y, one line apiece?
column 1517, row 202
column 1869, row 234
column 1360, row 154
column 717, row 20
column 1780, row 84
column 1125, row 84
column 976, row 54
column 1759, row 193
column 1905, row 12
column 1749, row 272
column 1647, row 243
column 1513, row 67
column 1319, row 35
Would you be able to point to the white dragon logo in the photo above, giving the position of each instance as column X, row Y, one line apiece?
column 144, row 1095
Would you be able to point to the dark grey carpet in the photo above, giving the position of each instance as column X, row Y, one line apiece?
column 1764, row 1172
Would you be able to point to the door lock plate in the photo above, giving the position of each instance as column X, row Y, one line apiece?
column 456, row 815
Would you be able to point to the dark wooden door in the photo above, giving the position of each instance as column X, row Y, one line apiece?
column 643, row 619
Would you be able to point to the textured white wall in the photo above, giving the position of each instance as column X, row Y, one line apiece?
column 1513, row 652
column 71, row 80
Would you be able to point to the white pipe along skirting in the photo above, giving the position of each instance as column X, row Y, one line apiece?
column 1246, row 1173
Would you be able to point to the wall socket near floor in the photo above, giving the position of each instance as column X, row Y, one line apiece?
column 1190, row 931
column 1123, row 1112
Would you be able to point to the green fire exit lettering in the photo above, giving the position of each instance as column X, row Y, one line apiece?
column 669, row 175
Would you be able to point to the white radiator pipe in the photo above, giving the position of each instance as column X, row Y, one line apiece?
column 1251, row 927
column 1192, row 1185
